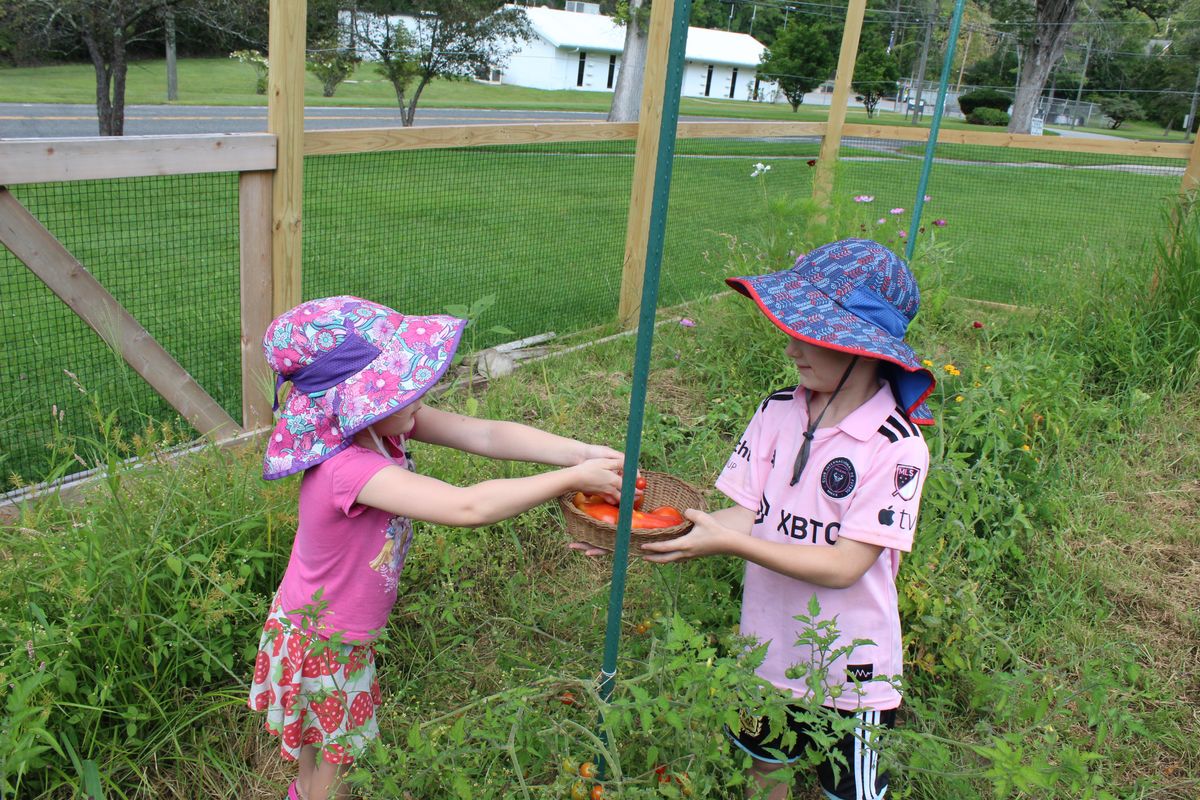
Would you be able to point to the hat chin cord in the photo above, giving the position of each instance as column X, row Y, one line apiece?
column 802, row 456
column 378, row 442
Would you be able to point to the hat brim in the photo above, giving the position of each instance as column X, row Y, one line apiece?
column 807, row 313
column 315, row 427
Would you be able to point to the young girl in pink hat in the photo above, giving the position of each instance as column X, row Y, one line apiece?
column 358, row 372
column 826, row 484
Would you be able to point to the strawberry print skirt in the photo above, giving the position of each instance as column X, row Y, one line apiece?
column 313, row 691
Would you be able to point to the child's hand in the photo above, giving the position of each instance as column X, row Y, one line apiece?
column 600, row 475
column 600, row 451
column 589, row 549
column 706, row 538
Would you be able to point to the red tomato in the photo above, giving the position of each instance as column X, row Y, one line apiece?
column 663, row 775
column 661, row 517
column 568, row 699
column 604, row 512
column 668, row 512
column 587, row 770
column 597, row 792
column 640, row 483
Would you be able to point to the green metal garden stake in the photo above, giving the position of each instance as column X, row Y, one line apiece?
column 934, row 125
column 673, row 85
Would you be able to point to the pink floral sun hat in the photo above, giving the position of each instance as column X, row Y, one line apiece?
column 351, row 362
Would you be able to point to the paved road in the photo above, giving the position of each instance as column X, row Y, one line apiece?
column 58, row 120
column 29, row 120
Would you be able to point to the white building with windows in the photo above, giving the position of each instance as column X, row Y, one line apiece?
column 581, row 49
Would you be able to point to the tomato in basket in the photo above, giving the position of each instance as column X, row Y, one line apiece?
column 599, row 509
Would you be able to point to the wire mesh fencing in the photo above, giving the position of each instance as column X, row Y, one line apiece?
column 536, row 230
column 166, row 248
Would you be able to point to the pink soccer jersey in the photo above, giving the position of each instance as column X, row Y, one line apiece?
column 863, row 480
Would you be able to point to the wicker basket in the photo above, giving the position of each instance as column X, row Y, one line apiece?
column 661, row 490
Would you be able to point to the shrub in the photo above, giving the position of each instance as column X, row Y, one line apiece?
column 1121, row 107
column 984, row 98
column 332, row 65
column 987, row 116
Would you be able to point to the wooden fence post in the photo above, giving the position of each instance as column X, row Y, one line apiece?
column 637, row 231
column 285, row 119
column 1191, row 175
column 827, row 161
column 257, row 295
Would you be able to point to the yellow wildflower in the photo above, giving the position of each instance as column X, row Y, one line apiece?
column 958, row 398
column 927, row 362
column 1025, row 447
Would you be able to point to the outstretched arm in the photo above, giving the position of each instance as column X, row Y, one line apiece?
column 727, row 532
column 399, row 491
column 511, row 441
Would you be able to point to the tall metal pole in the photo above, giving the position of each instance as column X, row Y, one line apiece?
column 1192, row 114
column 1087, row 56
column 966, row 51
column 661, row 88
column 921, row 68
column 923, row 184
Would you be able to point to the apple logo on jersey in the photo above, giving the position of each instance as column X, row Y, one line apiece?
column 887, row 516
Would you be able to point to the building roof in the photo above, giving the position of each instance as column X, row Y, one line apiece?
column 571, row 30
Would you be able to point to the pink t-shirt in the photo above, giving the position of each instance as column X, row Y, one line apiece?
column 863, row 480
column 354, row 553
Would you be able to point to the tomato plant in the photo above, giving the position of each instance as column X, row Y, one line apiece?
column 568, row 766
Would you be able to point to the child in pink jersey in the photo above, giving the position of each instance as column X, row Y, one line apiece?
column 358, row 372
column 826, row 483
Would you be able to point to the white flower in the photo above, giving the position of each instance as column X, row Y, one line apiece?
column 760, row 169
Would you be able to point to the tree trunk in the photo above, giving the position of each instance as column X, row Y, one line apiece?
column 103, row 80
column 1054, row 18
column 110, row 69
column 120, row 67
column 627, row 94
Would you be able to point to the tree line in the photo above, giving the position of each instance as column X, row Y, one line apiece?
column 1136, row 58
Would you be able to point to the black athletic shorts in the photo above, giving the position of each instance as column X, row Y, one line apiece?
column 858, row 779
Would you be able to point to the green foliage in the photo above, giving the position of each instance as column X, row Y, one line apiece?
column 1121, row 107
column 984, row 98
column 988, row 116
column 124, row 619
column 1017, row 684
column 1149, row 340
column 331, row 64
column 800, row 60
column 257, row 60
column 875, row 74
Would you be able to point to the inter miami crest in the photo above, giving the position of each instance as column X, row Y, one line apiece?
column 838, row 478
column 905, row 481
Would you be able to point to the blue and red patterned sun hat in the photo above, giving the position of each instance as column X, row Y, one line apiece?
column 351, row 362
column 853, row 295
